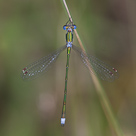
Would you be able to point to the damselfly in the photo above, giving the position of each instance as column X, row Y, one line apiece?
column 98, row 67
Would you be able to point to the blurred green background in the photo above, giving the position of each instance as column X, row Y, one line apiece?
column 31, row 29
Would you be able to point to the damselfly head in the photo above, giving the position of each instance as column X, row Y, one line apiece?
column 69, row 27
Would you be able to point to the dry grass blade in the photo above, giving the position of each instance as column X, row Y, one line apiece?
column 100, row 91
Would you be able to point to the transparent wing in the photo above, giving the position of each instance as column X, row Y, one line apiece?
column 101, row 69
column 39, row 67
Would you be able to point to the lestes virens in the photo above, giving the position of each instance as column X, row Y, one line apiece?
column 102, row 70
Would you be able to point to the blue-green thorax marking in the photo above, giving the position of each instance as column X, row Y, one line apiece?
column 69, row 35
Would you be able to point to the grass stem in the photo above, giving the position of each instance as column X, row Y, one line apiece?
column 100, row 91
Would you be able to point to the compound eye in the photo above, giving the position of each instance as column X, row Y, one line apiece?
column 74, row 26
column 64, row 27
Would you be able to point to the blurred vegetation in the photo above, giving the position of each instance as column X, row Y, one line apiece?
column 30, row 30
